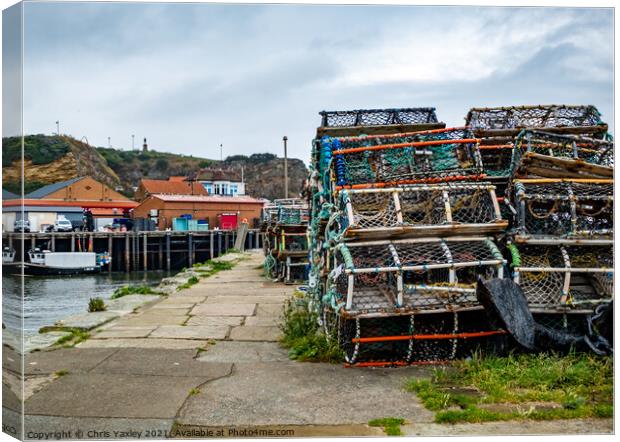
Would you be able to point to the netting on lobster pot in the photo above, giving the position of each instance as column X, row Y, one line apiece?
column 388, row 277
column 421, row 210
column 550, row 155
column 402, row 158
column 375, row 117
column 554, row 276
column 564, row 208
column 542, row 116
column 496, row 156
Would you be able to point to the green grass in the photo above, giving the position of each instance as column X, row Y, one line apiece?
column 133, row 290
column 194, row 391
column 61, row 373
column 190, row 282
column 96, row 305
column 41, row 149
column 304, row 340
column 391, row 425
column 573, row 386
column 74, row 337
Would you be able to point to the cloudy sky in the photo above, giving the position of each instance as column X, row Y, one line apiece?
column 191, row 76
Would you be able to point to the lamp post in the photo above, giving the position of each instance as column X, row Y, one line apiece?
column 132, row 142
column 221, row 153
column 285, row 139
column 57, row 127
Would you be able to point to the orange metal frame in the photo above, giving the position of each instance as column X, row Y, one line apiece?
column 402, row 145
column 429, row 337
column 418, row 181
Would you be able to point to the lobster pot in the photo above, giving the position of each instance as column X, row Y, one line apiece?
column 556, row 276
column 402, row 158
column 293, row 215
column 420, row 210
column 496, row 155
column 291, row 241
column 377, row 117
column 564, row 208
column 415, row 338
column 294, row 269
column 502, row 120
column 395, row 277
column 562, row 156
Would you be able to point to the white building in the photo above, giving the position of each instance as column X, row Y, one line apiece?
column 226, row 182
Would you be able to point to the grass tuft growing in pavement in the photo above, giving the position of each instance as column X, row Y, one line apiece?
column 96, row 305
column 190, row 282
column 520, row 386
column 391, row 425
column 75, row 337
column 303, row 337
column 133, row 290
column 61, row 373
column 194, row 391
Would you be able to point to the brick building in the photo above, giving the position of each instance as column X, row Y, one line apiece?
column 165, row 207
column 175, row 185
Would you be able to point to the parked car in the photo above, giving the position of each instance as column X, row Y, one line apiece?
column 22, row 225
column 63, row 225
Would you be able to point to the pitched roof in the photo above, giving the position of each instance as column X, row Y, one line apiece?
column 173, row 187
column 50, row 188
column 208, row 199
column 6, row 195
column 213, row 174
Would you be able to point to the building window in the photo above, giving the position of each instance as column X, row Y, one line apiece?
column 208, row 187
column 224, row 188
column 234, row 190
column 217, row 190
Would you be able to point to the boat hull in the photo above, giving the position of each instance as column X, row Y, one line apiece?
column 42, row 270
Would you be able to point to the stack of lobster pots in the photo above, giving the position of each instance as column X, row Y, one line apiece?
column 285, row 242
column 402, row 223
column 558, row 181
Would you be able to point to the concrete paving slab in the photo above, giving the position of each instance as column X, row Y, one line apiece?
column 215, row 320
column 72, row 360
column 43, row 340
column 128, row 303
column 522, row 427
column 123, row 332
column 84, row 321
column 11, row 359
column 269, row 310
column 48, row 427
column 255, row 333
column 10, row 399
column 244, row 299
column 179, row 298
column 171, row 311
column 162, row 362
column 143, row 343
column 191, row 332
column 277, row 393
column 112, row 395
column 263, row 321
column 161, row 305
column 240, row 351
column 150, row 320
column 224, row 310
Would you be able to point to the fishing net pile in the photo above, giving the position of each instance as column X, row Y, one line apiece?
column 285, row 243
column 406, row 217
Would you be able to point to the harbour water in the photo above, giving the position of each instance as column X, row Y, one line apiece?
column 48, row 299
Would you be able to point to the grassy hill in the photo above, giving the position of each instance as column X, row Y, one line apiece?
column 49, row 159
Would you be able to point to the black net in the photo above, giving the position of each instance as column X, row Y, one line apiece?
column 551, row 116
column 376, row 117
column 564, row 208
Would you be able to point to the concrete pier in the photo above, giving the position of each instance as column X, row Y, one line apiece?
column 205, row 362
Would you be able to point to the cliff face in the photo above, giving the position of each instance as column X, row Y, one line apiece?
column 51, row 159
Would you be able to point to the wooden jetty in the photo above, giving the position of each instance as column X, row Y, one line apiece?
column 137, row 250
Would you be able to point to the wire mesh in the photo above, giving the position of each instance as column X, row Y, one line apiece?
column 547, row 116
column 425, row 207
column 404, row 157
column 556, row 276
column 564, row 208
column 375, row 117
column 426, row 275
column 546, row 154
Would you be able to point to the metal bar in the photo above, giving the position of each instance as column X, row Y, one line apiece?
column 168, row 251
column 145, row 252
